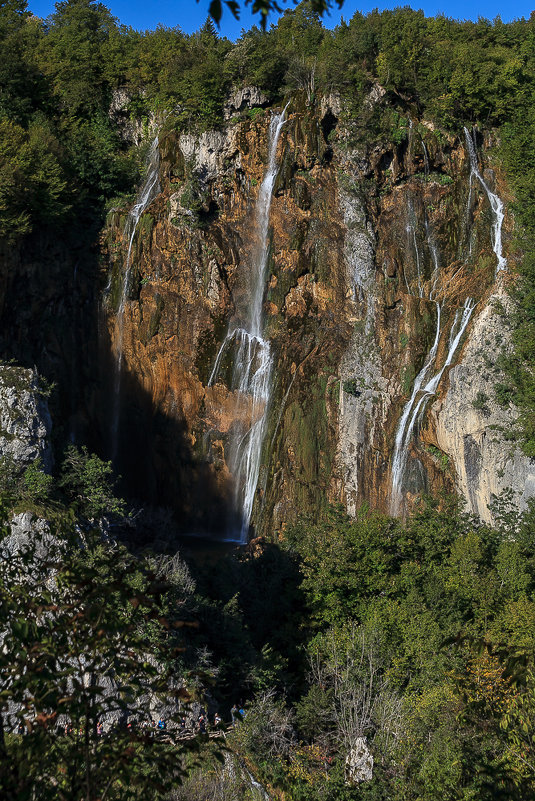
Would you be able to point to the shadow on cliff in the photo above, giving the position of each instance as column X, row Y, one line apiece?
column 50, row 319
column 156, row 461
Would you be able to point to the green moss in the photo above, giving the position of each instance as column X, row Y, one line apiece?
column 298, row 438
column 407, row 378
column 442, row 458
column 298, row 235
column 155, row 319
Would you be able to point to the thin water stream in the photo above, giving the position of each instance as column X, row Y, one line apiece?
column 148, row 191
column 428, row 379
column 495, row 203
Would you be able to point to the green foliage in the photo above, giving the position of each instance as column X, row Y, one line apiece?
column 36, row 484
column 89, row 484
column 193, row 197
column 9, row 480
column 266, row 7
column 352, row 386
column 442, row 458
column 32, row 182
column 74, row 655
column 519, row 367
column 385, row 596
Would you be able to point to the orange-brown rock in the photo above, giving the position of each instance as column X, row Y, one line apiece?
column 366, row 238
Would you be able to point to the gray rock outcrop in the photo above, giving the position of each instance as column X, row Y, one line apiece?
column 471, row 426
column 359, row 763
column 130, row 128
column 25, row 422
column 244, row 98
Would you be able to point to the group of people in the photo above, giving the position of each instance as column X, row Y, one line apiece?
column 237, row 714
column 161, row 726
column 203, row 722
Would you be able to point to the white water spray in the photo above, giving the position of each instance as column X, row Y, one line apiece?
column 253, row 362
column 428, row 379
column 495, row 203
column 148, row 191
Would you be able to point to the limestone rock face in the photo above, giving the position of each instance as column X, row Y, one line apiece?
column 129, row 128
column 244, row 98
column 28, row 529
column 25, row 422
column 376, row 247
column 470, row 425
column 359, row 762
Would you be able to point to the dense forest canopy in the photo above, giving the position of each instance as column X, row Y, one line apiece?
column 58, row 76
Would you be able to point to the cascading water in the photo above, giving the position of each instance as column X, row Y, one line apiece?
column 251, row 379
column 404, row 431
column 426, row 157
column 426, row 382
column 495, row 203
column 415, row 407
column 149, row 190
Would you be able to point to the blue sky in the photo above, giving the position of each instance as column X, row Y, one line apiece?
column 190, row 15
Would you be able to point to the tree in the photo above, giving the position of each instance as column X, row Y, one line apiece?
column 89, row 483
column 71, row 54
column 32, row 185
column 348, row 665
column 84, row 646
column 266, row 7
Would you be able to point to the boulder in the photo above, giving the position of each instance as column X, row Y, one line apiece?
column 359, row 762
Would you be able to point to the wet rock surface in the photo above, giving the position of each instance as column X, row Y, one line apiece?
column 366, row 241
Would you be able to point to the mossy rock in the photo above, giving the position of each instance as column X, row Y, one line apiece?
column 155, row 319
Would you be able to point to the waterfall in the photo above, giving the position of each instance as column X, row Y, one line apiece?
column 414, row 408
column 495, row 203
column 146, row 194
column 426, row 157
column 404, row 430
column 251, row 380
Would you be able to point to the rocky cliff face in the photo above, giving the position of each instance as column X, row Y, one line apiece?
column 381, row 274
column 25, row 422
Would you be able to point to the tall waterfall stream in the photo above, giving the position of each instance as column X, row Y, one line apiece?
column 253, row 361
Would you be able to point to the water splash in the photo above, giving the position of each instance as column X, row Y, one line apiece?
column 148, row 191
column 495, row 203
column 251, row 380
